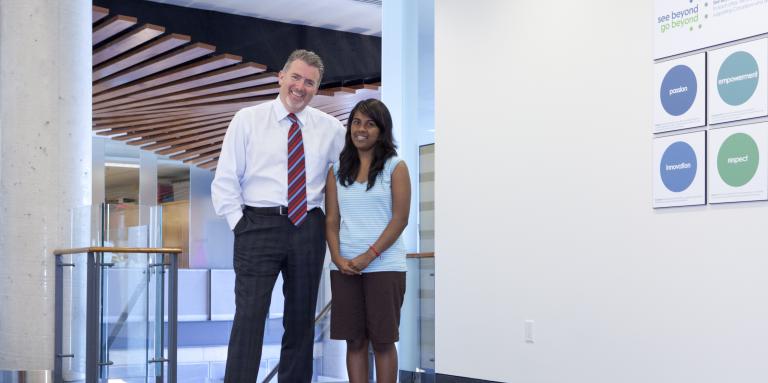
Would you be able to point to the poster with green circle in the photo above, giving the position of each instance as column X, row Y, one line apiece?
column 737, row 82
column 737, row 163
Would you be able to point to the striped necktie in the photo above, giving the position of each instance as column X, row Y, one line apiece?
column 297, row 183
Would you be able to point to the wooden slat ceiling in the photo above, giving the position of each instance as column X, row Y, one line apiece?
column 168, row 94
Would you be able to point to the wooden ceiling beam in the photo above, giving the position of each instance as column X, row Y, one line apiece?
column 197, row 151
column 239, row 83
column 131, row 59
column 224, row 96
column 210, row 165
column 178, row 133
column 334, row 91
column 143, row 140
column 193, row 69
column 183, row 140
column 118, row 122
column 159, row 64
column 112, row 27
column 209, row 108
column 197, row 144
column 99, row 13
column 184, row 129
column 166, row 123
column 102, row 121
column 204, row 156
column 376, row 86
column 343, row 111
column 215, row 77
column 337, row 108
column 137, row 131
column 131, row 40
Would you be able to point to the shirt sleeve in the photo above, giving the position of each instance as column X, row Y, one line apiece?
column 338, row 141
column 226, row 190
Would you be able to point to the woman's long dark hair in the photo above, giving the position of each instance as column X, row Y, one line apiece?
column 383, row 149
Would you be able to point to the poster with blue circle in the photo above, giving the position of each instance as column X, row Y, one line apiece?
column 680, row 93
column 679, row 170
column 736, row 82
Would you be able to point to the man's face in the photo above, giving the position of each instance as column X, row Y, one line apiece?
column 298, row 84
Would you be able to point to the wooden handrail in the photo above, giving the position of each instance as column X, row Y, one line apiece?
column 146, row 250
column 430, row 254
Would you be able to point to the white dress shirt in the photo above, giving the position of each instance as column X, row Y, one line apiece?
column 253, row 164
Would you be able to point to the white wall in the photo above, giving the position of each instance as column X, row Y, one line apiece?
column 543, row 211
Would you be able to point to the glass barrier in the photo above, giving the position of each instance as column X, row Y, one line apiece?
column 125, row 331
column 134, row 296
column 125, row 315
column 131, row 296
column 130, row 225
column 427, row 314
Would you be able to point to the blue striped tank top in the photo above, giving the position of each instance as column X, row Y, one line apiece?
column 364, row 215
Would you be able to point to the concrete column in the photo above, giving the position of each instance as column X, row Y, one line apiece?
column 45, row 163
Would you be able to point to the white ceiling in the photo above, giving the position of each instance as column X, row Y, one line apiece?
column 358, row 16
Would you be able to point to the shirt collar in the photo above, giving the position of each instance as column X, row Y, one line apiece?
column 282, row 113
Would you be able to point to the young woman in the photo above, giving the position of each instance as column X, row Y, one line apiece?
column 368, row 194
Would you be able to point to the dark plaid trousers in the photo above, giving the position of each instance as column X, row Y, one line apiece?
column 265, row 246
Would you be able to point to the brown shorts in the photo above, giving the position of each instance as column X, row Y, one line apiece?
column 367, row 305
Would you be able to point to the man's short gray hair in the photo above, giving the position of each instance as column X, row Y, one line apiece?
column 309, row 57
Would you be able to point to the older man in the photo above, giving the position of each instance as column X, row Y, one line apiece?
column 269, row 185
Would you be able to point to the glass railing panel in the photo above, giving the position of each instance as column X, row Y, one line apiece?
column 131, row 225
column 131, row 310
column 130, row 291
column 73, row 317
column 426, row 269
column 85, row 224
column 125, row 316
column 427, row 314
column 416, row 349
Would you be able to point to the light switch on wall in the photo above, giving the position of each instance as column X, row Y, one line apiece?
column 529, row 331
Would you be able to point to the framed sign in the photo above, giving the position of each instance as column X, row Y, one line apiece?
column 679, row 100
column 737, row 82
column 736, row 162
column 679, row 164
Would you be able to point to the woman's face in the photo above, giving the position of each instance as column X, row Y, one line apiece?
column 364, row 132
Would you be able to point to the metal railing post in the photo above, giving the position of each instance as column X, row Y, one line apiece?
column 92, row 343
column 157, row 267
column 173, row 311
column 58, row 326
